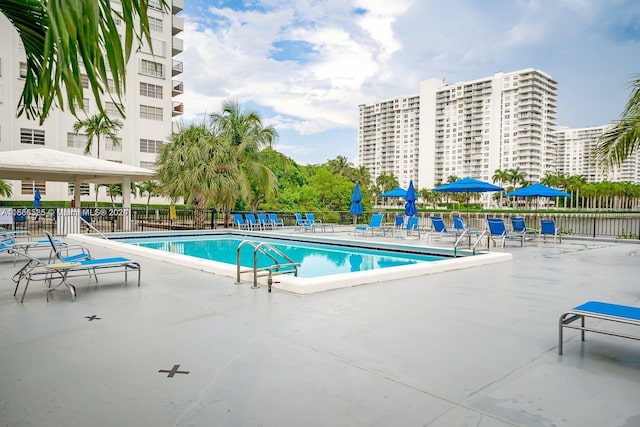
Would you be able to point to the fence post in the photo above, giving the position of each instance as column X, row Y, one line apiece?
column 595, row 219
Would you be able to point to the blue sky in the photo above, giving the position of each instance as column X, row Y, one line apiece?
column 306, row 65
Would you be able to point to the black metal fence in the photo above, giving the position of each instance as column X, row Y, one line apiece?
column 104, row 220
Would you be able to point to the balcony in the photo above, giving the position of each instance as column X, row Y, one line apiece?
column 178, row 88
column 176, row 46
column 177, row 6
column 178, row 109
column 177, row 25
column 176, row 68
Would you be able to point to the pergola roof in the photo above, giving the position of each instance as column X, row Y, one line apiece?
column 44, row 164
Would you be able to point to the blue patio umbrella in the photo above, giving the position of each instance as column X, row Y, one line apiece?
column 468, row 185
column 410, row 207
column 356, row 203
column 36, row 198
column 537, row 190
column 396, row 192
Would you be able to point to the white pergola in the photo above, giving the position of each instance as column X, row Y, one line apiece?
column 44, row 164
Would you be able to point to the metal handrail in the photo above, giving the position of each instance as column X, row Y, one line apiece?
column 264, row 248
column 93, row 228
column 459, row 239
column 484, row 232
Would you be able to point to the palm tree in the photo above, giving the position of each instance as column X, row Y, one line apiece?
column 623, row 138
column 60, row 37
column 5, row 189
column 97, row 126
column 150, row 188
column 199, row 167
column 244, row 132
column 499, row 177
column 339, row 166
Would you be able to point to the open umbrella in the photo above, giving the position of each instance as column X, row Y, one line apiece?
column 468, row 185
column 537, row 190
column 396, row 192
column 410, row 207
column 356, row 203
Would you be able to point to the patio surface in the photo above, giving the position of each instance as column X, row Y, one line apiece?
column 474, row 347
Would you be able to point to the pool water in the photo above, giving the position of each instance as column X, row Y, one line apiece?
column 316, row 259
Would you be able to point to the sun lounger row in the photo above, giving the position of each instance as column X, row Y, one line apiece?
column 261, row 221
column 496, row 229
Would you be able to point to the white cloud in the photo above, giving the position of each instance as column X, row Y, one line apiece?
column 356, row 58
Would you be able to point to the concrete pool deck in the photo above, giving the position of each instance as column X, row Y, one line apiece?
column 471, row 347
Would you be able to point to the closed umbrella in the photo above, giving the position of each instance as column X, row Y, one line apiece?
column 410, row 207
column 356, row 203
column 36, row 198
column 36, row 201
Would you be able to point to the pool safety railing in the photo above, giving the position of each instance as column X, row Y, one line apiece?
column 88, row 224
column 289, row 267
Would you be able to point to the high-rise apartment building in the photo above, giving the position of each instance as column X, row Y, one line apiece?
column 576, row 156
column 149, row 103
column 464, row 129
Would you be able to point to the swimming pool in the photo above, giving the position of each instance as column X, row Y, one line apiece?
column 333, row 268
column 315, row 259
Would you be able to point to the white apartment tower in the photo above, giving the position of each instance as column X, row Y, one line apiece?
column 465, row 129
column 576, row 156
column 388, row 138
column 149, row 104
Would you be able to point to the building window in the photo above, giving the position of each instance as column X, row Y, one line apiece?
column 109, row 145
column 111, row 109
column 155, row 24
column 148, row 165
column 155, row 4
column 31, row 136
column 150, row 145
column 150, row 90
column 84, row 189
column 23, row 70
column 76, row 140
column 85, row 81
column 151, row 113
column 29, row 187
column 151, row 68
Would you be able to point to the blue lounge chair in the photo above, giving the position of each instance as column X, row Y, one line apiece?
column 461, row 227
column 412, row 226
column 311, row 219
column 66, row 264
column 498, row 232
column 265, row 222
column 548, row 228
column 239, row 222
column 302, row 224
column 399, row 222
column 275, row 220
column 252, row 221
column 519, row 226
column 605, row 313
column 440, row 229
column 374, row 224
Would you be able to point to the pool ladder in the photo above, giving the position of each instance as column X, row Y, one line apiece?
column 467, row 232
column 277, row 268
